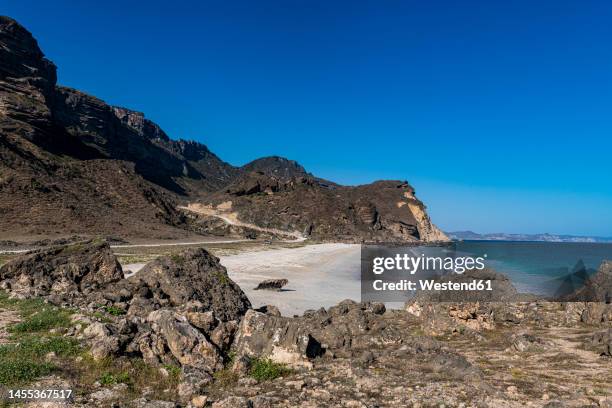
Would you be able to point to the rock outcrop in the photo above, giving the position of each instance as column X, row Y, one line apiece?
column 73, row 164
column 272, row 284
column 193, row 275
column 381, row 211
column 64, row 272
column 597, row 288
column 456, row 311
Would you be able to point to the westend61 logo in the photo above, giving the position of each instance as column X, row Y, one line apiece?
column 394, row 274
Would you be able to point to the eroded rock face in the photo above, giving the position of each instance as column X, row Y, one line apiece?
column 194, row 275
column 63, row 272
column 378, row 212
column 454, row 311
column 342, row 330
column 27, row 80
column 598, row 288
column 188, row 345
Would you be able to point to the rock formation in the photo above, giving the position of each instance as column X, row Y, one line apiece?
column 184, row 312
column 72, row 164
column 272, row 284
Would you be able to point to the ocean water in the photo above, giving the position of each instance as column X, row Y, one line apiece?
column 541, row 267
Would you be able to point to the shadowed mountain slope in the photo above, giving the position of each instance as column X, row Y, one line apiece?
column 71, row 163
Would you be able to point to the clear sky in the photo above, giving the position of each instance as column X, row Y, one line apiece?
column 498, row 112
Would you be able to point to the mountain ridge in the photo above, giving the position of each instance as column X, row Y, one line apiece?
column 71, row 163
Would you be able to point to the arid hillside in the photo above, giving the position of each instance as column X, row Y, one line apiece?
column 72, row 164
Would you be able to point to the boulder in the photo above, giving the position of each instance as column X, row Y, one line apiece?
column 186, row 344
column 283, row 340
column 193, row 275
column 102, row 343
column 596, row 313
column 346, row 329
column 528, row 342
column 63, row 273
column 272, row 284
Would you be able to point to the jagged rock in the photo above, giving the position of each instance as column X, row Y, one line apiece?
column 603, row 340
column 102, row 343
column 193, row 381
column 232, row 402
column 193, row 275
column 597, row 288
column 269, row 309
column 65, row 272
column 343, row 330
column 185, row 342
column 528, row 342
column 596, row 313
column 272, row 284
column 146, row 403
column 281, row 339
column 456, row 311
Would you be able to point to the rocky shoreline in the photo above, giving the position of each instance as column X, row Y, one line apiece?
column 183, row 314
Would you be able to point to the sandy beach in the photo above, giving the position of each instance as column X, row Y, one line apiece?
column 319, row 275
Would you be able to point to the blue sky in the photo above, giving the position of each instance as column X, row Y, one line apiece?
column 499, row 113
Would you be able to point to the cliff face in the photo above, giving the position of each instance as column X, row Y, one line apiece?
column 71, row 163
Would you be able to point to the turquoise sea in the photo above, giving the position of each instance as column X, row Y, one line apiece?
column 540, row 267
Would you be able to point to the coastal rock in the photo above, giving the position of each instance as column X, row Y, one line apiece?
column 102, row 343
column 281, row 339
column 528, row 342
column 64, row 272
column 456, row 311
column 595, row 313
column 186, row 343
column 346, row 329
column 272, row 284
column 193, row 275
column 597, row 288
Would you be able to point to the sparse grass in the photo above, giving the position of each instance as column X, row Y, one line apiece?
column 264, row 369
column 23, row 360
column 226, row 378
column 101, row 317
column 517, row 374
column 109, row 378
column 114, row 310
column 135, row 373
column 44, row 320
column 173, row 370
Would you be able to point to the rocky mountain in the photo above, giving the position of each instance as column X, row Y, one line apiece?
column 73, row 164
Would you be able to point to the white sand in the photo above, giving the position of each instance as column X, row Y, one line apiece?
column 319, row 275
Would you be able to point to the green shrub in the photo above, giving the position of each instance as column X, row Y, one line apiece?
column 117, row 378
column 174, row 371
column 114, row 310
column 266, row 369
